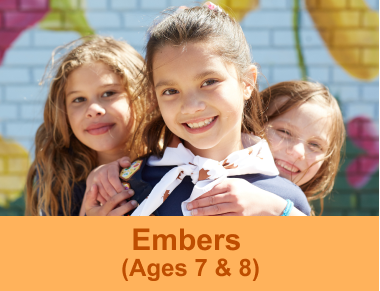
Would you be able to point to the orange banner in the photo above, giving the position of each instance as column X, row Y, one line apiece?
column 189, row 253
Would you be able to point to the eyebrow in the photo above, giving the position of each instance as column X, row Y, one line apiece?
column 102, row 86
column 196, row 78
column 165, row 83
column 204, row 74
column 321, row 140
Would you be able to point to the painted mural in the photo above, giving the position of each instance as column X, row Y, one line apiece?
column 335, row 42
column 16, row 17
column 51, row 15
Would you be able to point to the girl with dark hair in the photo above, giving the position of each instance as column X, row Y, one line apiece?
column 209, row 123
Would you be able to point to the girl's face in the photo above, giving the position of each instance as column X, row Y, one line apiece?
column 201, row 98
column 98, row 109
column 299, row 140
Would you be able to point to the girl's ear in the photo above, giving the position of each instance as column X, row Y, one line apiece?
column 250, row 82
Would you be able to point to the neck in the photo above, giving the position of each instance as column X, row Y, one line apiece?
column 110, row 156
column 218, row 152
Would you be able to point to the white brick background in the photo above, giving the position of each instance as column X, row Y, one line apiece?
column 268, row 30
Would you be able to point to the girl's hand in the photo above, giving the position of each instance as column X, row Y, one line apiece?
column 108, row 209
column 106, row 178
column 237, row 197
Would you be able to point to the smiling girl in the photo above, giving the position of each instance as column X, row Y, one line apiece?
column 306, row 132
column 198, row 65
column 91, row 117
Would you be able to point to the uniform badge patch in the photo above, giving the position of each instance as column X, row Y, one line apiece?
column 126, row 185
column 127, row 173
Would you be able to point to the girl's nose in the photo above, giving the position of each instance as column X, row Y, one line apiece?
column 95, row 110
column 191, row 103
column 297, row 150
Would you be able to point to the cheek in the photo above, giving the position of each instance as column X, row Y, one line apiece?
column 74, row 120
column 315, row 165
column 121, row 110
column 168, row 111
column 277, row 143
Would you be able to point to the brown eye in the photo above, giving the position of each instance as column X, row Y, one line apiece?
column 170, row 92
column 209, row 82
column 108, row 94
column 79, row 100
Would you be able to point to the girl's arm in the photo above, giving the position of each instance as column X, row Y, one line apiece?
column 106, row 179
column 111, row 207
column 236, row 197
column 231, row 197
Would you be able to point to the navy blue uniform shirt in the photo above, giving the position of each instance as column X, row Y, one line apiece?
column 76, row 200
column 143, row 181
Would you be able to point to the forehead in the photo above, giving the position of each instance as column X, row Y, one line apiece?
column 190, row 58
column 92, row 73
column 308, row 119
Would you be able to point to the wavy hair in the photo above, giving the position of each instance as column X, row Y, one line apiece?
column 300, row 92
column 61, row 160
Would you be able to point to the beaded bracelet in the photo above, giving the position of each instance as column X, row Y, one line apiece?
column 288, row 208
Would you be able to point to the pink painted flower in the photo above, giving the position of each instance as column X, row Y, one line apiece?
column 363, row 133
column 16, row 16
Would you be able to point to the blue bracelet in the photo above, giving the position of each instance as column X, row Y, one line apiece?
column 288, row 208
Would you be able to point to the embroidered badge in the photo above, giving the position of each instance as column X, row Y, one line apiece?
column 126, row 185
column 127, row 173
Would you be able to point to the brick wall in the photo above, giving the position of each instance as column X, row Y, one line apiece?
column 269, row 29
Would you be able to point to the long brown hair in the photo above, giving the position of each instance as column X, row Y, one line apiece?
column 61, row 160
column 201, row 24
column 300, row 92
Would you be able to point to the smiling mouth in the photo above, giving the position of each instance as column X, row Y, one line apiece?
column 287, row 166
column 103, row 128
column 202, row 123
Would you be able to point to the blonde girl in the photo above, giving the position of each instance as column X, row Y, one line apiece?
column 306, row 131
column 93, row 115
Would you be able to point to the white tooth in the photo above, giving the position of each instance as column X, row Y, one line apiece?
column 201, row 124
column 190, row 125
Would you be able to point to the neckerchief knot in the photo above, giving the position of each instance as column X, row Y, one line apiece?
column 205, row 173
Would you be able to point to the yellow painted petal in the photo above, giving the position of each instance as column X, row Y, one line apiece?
column 14, row 166
column 237, row 8
column 350, row 30
column 67, row 15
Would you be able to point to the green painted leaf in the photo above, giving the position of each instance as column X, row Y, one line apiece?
column 67, row 15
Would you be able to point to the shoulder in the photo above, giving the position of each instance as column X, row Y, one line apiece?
column 77, row 195
column 283, row 188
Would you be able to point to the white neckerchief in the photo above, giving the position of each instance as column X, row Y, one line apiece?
column 205, row 173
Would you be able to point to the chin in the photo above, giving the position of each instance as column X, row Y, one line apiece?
column 103, row 148
column 203, row 145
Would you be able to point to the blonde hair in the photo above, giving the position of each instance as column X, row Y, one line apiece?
column 61, row 160
column 300, row 92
